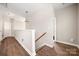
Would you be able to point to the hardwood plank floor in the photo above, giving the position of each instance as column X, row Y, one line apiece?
column 59, row 49
column 10, row 47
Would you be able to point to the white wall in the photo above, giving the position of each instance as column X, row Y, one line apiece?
column 42, row 21
column 28, row 25
column 6, row 26
column 18, row 25
column 27, row 39
column 66, row 22
column 6, row 16
column 42, row 16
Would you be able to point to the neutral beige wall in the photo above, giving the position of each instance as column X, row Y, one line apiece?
column 66, row 24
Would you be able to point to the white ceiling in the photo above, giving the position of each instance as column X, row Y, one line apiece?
column 21, row 8
column 7, row 13
column 58, row 6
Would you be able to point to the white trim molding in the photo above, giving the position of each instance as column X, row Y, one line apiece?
column 33, row 43
column 76, row 45
column 24, row 47
column 51, row 46
column 32, row 52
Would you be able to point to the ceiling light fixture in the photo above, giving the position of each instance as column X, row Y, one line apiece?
column 26, row 11
column 63, row 3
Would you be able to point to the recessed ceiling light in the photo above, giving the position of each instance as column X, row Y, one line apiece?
column 26, row 11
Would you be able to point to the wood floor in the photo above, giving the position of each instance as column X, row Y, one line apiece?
column 10, row 47
column 59, row 49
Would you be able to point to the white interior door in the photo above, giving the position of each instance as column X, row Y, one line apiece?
column 6, row 27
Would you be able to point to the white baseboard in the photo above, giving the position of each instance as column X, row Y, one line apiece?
column 78, row 46
column 69, row 43
column 51, row 46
